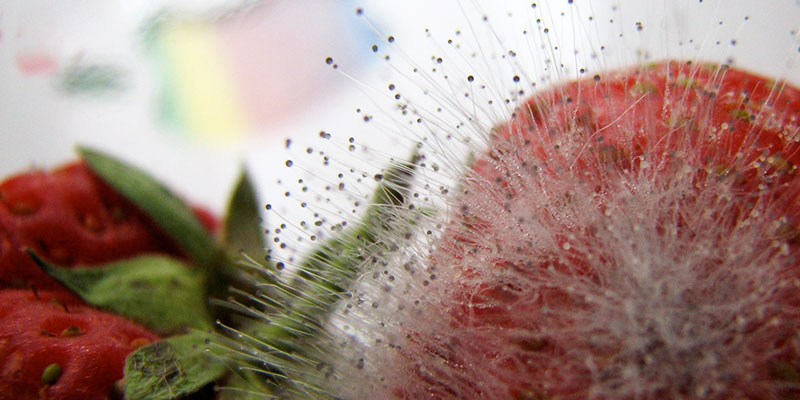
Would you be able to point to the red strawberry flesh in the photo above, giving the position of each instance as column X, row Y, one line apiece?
column 70, row 217
column 40, row 329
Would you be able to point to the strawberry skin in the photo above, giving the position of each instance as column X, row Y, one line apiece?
column 89, row 346
column 630, row 236
column 70, row 217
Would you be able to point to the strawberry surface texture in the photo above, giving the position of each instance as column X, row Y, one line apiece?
column 70, row 217
column 633, row 235
column 52, row 347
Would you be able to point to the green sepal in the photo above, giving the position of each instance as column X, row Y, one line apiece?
column 332, row 267
column 159, row 292
column 172, row 368
column 297, row 310
column 243, row 232
column 244, row 241
column 166, row 209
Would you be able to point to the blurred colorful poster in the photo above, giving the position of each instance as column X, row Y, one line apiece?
column 241, row 71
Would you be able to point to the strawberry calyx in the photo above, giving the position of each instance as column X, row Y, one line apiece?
column 165, row 209
column 161, row 293
column 167, row 294
column 282, row 330
column 108, row 234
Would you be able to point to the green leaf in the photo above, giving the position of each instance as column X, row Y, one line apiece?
column 166, row 209
column 171, row 368
column 284, row 340
column 159, row 292
column 243, row 264
column 243, row 231
column 332, row 267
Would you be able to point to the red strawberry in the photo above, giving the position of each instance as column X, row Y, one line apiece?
column 53, row 347
column 70, row 217
column 208, row 219
column 631, row 236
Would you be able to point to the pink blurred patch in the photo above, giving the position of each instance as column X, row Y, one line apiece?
column 36, row 64
column 276, row 55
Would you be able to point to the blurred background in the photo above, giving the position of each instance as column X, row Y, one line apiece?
column 191, row 90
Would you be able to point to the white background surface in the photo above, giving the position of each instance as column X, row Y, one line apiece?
column 39, row 127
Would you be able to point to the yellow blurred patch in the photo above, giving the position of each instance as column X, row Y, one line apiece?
column 207, row 99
